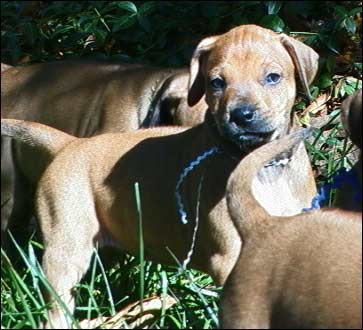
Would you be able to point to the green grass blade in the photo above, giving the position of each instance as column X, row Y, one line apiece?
column 141, row 246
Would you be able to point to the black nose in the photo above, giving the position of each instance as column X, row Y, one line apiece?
column 243, row 115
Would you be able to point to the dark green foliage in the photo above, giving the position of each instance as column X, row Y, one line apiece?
column 162, row 32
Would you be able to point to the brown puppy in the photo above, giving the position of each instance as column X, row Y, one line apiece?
column 82, row 98
column 348, row 197
column 86, row 194
column 297, row 272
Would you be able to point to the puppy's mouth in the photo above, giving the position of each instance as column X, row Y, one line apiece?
column 250, row 138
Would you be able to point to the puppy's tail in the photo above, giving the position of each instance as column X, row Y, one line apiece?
column 45, row 138
column 246, row 212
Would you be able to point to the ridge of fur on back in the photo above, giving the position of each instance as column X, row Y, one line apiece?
column 42, row 137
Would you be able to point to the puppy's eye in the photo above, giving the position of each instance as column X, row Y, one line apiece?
column 218, row 83
column 273, row 78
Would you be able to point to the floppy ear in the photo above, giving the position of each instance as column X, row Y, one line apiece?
column 196, row 79
column 351, row 116
column 305, row 60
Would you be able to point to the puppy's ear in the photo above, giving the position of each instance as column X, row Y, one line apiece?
column 196, row 79
column 351, row 116
column 305, row 60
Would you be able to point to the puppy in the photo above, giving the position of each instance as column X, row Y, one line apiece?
column 86, row 194
column 297, row 272
column 82, row 98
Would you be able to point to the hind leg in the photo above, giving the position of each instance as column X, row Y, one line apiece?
column 69, row 226
column 16, row 202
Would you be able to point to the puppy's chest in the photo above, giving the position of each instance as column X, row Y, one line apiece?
column 208, row 181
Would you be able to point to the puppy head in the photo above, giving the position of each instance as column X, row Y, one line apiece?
column 248, row 78
column 352, row 117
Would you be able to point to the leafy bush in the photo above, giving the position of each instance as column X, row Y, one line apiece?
column 162, row 32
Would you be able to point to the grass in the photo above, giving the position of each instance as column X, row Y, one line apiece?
column 188, row 298
column 107, row 291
